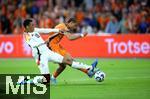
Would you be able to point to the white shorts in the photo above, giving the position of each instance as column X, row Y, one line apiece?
column 54, row 57
column 47, row 56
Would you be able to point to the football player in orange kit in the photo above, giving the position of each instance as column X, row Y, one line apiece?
column 53, row 44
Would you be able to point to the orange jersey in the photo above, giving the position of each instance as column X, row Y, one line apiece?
column 55, row 39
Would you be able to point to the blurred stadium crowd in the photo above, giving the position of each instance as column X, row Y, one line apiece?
column 94, row 16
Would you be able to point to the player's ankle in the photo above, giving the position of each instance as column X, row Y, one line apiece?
column 53, row 77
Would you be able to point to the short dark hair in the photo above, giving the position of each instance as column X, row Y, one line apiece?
column 26, row 22
column 72, row 20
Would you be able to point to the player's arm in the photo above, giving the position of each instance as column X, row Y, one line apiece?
column 46, row 30
column 74, row 36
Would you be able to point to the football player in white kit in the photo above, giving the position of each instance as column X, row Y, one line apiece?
column 42, row 54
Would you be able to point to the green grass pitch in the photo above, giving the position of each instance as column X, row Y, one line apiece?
column 125, row 79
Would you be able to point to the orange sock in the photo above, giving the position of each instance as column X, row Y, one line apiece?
column 55, row 74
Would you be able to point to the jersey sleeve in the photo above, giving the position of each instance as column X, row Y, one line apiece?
column 62, row 27
column 45, row 30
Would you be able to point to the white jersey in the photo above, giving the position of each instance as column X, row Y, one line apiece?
column 33, row 39
column 41, row 53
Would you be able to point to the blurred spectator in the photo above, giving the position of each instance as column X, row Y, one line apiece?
column 45, row 21
column 131, row 23
column 103, row 19
column 86, row 28
column 96, row 13
column 124, row 23
column 113, row 25
column 32, row 8
column 79, row 15
column 144, row 26
column 17, row 29
column 88, row 4
column 4, row 22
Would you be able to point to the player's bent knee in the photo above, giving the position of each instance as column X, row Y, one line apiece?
column 67, row 61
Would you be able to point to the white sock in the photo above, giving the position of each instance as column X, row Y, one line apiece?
column 79, row 65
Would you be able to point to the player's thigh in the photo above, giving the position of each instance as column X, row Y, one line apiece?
column 43, row 66
column 55, row 57
column 68, row 56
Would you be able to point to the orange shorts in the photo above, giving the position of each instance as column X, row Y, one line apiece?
column 59, row 49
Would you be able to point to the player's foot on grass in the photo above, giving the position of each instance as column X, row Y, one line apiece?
column 92, row 71
column 53, row 80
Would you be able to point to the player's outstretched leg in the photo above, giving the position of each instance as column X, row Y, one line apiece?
column 59, row 70
column 91, row 72
column 79, row 65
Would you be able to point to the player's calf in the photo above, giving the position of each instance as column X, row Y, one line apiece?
column 75, row 64
column 59, row 70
